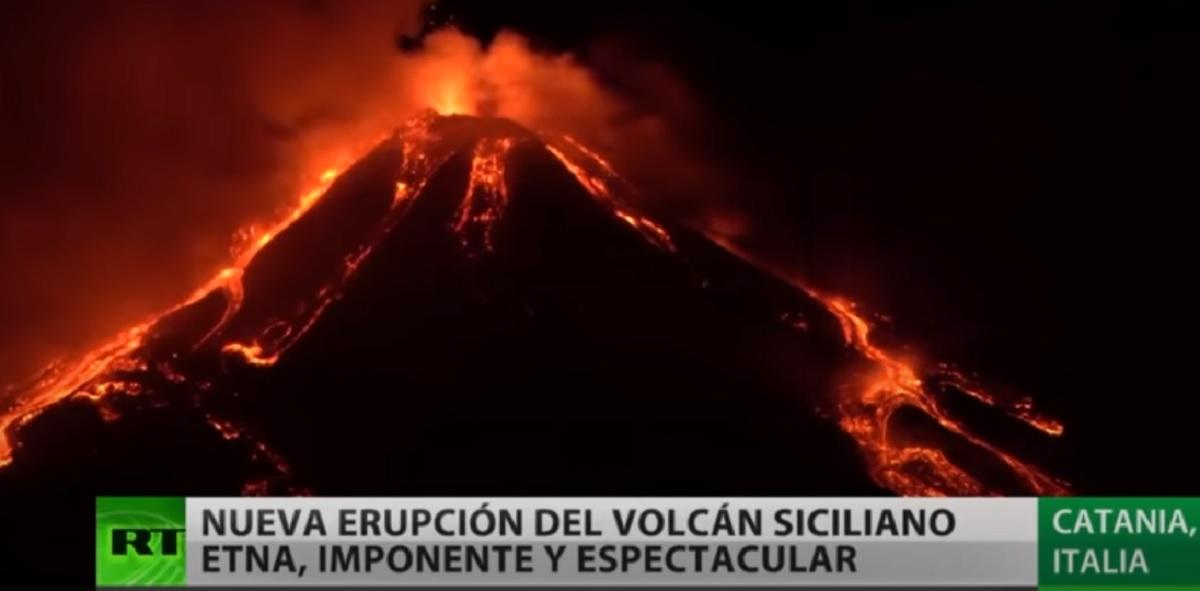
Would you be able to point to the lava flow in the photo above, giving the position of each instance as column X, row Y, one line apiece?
column 865, row 411
column 91, row 376
column 865, row 407
column 486, row 195
column 66, row 378
column 599, row 187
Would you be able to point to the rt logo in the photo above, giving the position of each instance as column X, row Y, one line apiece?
column 140, row 542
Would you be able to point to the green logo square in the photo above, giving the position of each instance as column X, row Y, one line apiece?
column 140, row 541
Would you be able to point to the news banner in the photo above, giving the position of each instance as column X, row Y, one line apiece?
column 1074, row 544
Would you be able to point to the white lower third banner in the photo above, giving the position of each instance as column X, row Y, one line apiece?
column 466, row 542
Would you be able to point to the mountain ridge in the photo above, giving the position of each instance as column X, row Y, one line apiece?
column 465, row 256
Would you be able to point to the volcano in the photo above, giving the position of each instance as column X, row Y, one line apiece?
column 478, row 308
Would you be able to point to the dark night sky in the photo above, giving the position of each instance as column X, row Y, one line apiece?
column 1009, row 181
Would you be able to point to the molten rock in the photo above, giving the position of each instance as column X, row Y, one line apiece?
column 476, row 308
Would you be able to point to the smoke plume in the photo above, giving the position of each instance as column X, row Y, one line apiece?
column 142, row 135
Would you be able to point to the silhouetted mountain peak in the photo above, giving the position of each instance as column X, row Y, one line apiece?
column 477, row 308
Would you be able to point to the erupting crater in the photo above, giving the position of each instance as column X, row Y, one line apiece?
column 477, row 307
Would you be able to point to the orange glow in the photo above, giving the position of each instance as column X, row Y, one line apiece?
column 608, row 169
column 445, row 77
column 1020, row 409
column 865, row 411
column 598, row 182
column 867, row 415
column 258, row 451
column 273, row 340
column 80, row 377
column 864, row 408
column 252, row 354
column 453, row 102
column 486, row 194
column 62, row 380
column 452, row 75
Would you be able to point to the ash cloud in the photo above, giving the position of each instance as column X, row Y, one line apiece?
column 142, row 135
column 634, row 111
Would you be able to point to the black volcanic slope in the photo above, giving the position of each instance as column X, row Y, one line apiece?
column 574, row 356
column 473, row 309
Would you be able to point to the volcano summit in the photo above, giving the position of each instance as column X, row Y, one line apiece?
column 478, row 308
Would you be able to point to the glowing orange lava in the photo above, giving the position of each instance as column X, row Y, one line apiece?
column 259, row 451
column 64, row 379
column 864, row 409
column 486, row 195
column 268, row 347
column 598, row 182
column 86, row 376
